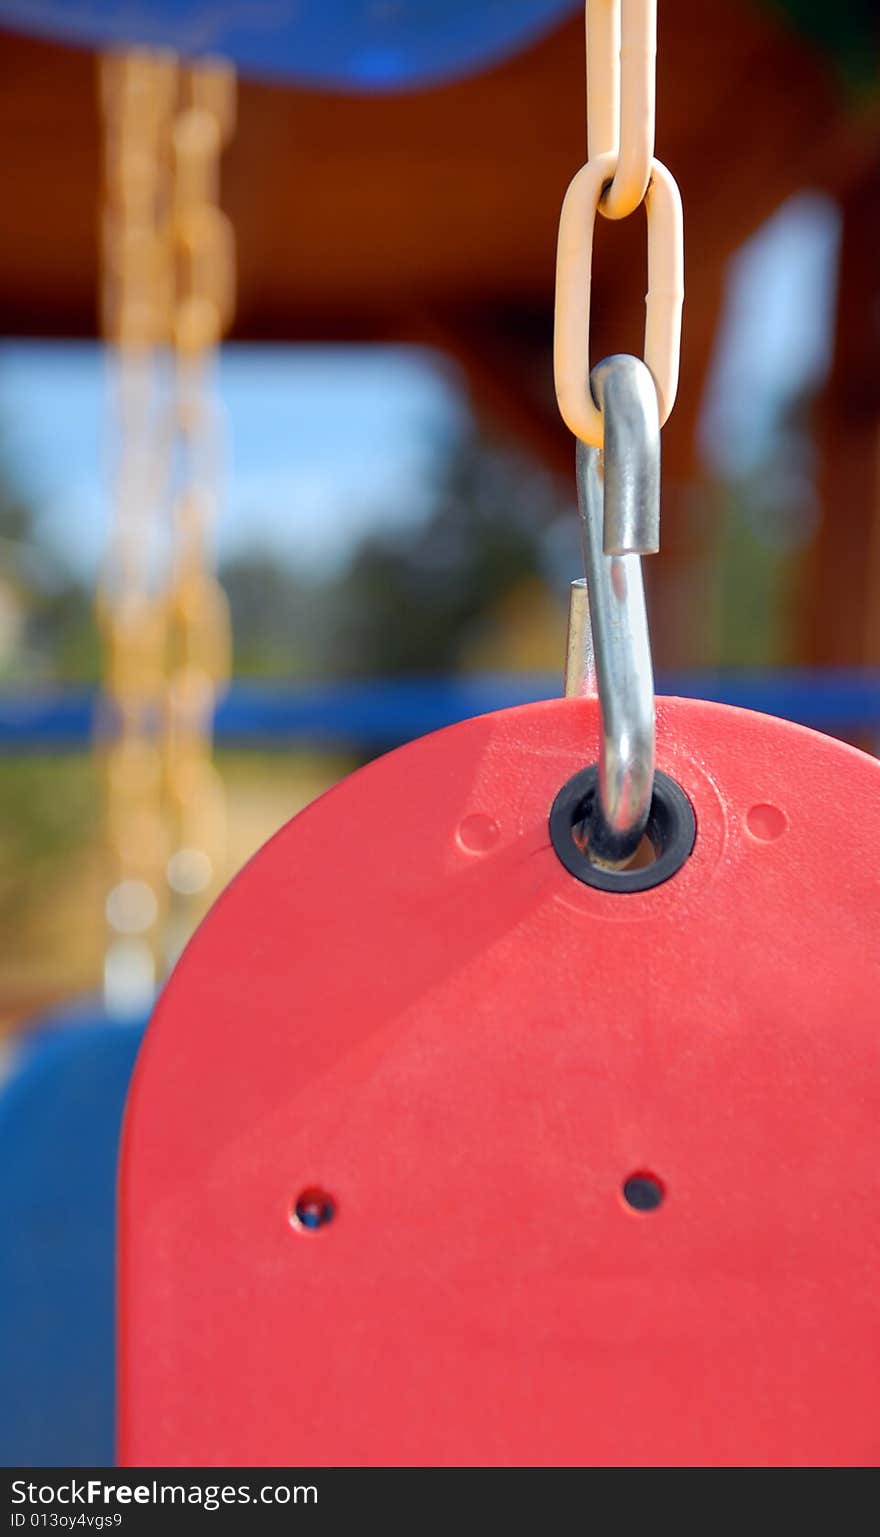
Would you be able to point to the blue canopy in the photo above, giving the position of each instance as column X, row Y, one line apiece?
column 349, row 45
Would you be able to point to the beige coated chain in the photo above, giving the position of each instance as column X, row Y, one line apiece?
column 137, row 93
column 167, row 298
column 620, row 174
column 199, row 644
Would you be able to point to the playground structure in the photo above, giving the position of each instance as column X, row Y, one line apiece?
column 503, row 345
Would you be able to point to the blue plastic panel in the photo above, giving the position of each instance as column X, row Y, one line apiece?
column 350, row 45
column 60, row 1114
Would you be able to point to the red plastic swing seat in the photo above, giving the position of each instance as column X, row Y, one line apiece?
column 408, row 1023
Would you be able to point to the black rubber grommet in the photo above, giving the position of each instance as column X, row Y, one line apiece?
column 672, row 829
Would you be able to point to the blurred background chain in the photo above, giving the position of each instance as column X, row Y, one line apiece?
column 167, row 297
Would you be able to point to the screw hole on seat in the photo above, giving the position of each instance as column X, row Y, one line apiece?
column 643, row 1192
column 312, row 1209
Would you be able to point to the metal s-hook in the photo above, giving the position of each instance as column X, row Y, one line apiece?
column 619, row 500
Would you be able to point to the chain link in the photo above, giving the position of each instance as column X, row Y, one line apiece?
column 167, row 297
column 620, row 174
column 621, row 67
column 199, row 648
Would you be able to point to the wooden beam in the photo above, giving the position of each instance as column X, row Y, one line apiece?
column 841, row 610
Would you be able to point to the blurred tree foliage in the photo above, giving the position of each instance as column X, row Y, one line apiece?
column 768, row 518
column 848, row 30
column 435, row 595
column 47, row 629
column 47, row 804
column 410, row 600
column 417, row 600
column 279, row 618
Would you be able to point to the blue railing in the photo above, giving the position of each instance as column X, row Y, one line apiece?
column 382, row 713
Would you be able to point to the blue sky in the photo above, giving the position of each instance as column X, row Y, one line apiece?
column 323, row 443
column 776, row 331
